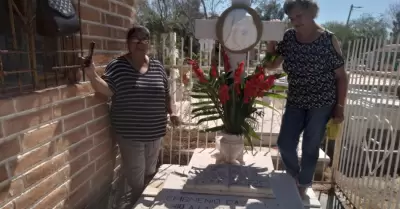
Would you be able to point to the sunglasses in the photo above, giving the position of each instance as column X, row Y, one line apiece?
column 139, row 41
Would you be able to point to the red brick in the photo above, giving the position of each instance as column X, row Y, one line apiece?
column 100, row 111
column 11, row 190
column 95, row 99
column 44, row 170
column 81, row 177
column 86, row 41
column 99, row 4
column 106, row 157
column 104, row 175
column 9, row 148
column 77, row 195
column 8, row 206
column 122, row 10
column 67, row 108
column 83, row 147
column 90, row 14
column 23, row 122
column 130, row 2
column 100, row 150
column 113, row 20
column 101, row 136
column 37, row 99
column 114, row 45
column 78, row 164
column 77, row 120
column 98, row 125
column 113, row 7
column 42, row 135
column 32, row 158
column 38, row 192
column 6, row 107
column 76, row 90
column 71, row 138
column 51, row 200
column 3, row 173
column 99, row 30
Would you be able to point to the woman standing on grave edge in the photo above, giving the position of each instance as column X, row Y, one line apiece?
column 312, row 58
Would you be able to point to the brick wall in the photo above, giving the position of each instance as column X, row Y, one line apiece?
column 55, row 146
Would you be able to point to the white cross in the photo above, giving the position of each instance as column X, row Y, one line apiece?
column 205, row 29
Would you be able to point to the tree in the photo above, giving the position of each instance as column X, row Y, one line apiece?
column 394, row 15
column 341, row 31
column 368, row 26
column 363, row 27
column 269, row 10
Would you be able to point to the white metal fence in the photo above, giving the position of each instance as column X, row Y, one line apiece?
column 367, row 155
column 180, row 142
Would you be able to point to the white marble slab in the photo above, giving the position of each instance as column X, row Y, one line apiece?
column 172, row 197
column 280, row 189
column 251, row 179
column 156, row 185
column 256, row 158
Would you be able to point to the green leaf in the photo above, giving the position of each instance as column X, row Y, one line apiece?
column 211, row 118
column 200, row 96
column 251, row 131
column 203, row 108
column 274, row 95
column 249, row 141
column 204, row 113
column 259, row 102
column 215, row 129
column 279, row 88
column 202, row 103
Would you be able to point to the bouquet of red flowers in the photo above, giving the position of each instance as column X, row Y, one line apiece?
column 231, row 96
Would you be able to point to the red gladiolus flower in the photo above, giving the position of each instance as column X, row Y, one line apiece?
column 227, row 66
column 197, row 71
column 269, row 82
column 260, row 69
column 238, row 73
column 214, row 72
column 224, row 93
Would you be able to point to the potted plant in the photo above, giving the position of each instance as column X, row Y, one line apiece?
column 232, row 96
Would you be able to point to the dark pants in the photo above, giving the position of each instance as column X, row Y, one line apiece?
column 313, row 123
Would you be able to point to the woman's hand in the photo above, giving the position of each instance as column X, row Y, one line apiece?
column 338, row 114
column 175, row 120
column 90, row 71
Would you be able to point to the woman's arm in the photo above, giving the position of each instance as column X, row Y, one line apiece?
column 341, row 77
column 98, row 84
column 271, row 50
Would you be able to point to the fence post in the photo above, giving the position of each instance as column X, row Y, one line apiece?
column 172, row 61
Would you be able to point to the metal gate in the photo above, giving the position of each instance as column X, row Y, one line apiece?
column 366, row 162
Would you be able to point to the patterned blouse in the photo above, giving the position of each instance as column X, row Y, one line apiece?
column 311, row 70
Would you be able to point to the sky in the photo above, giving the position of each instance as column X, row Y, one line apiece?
column 338, row 10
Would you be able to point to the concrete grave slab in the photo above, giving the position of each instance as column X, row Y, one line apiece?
column 172, row 197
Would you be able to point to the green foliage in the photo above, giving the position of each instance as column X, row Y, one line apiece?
column 238, row 117
column 269, row 10
column 364, row 27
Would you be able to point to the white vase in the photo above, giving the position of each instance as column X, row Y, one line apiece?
column 230, row 149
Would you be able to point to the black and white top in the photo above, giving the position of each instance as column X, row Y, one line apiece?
column 311, row 70
column 138, row 109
